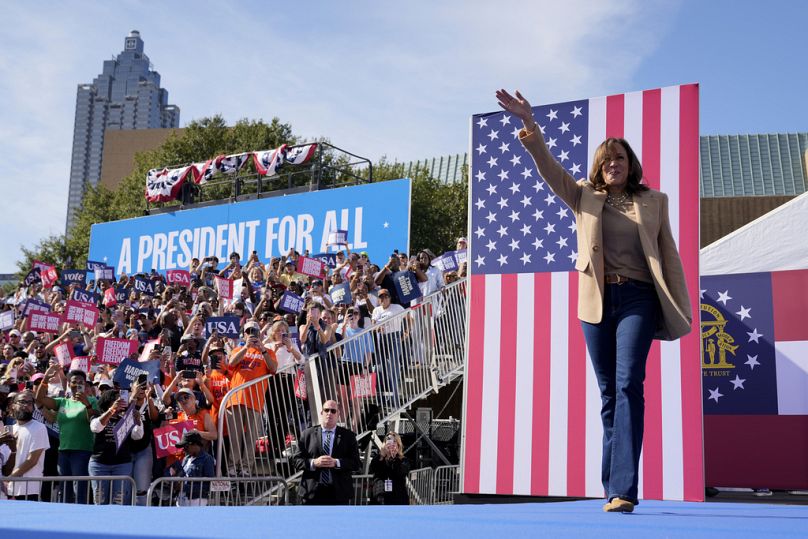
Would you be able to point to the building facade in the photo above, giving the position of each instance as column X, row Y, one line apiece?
column 126, row 95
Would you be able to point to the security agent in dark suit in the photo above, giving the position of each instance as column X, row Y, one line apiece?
column 327, row 455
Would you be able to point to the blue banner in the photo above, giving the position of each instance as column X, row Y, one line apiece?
column 377, row 216
column 93, row 265
column 121, row 294
column 406, row 286
column 291, row 302
column 226, row 326
column 144, row 286
column 86, row 296
column 74, row 276
column 329, row 259
column 128, row 371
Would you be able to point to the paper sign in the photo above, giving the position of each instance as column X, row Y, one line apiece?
column 128, row 371
column 144, row 286
column 48, row 275
column 329, row 259
column 122, row 429
column 80, row 363
column 224, row 287
column 341, row 293
column 291, row 302
column 64, row 353
column 311, row 266
column 181, row 277
column 446, row 262
column 44, row 322
column 83, row 313
column 166, row 437
column 6, row 320
column 338, row 237
column 406, row 286
column 110, row 299
column 92, row 265
column 147, row 348
column 106, row 272
column 32, row 277
column 460, row 256
column 363, row 385
column 226, row 326
column 113, row 351
column 35, row 305
column 121, row 294
column 74, row 276
column 85, row 296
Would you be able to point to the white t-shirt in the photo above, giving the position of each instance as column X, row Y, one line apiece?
column 30, row 437
column 284, row 356
column 380, row 315
column 5, row 454
column 433, row 283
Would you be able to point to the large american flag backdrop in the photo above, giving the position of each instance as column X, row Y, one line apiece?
column 532, row 405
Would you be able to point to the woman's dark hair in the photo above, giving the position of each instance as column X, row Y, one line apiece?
column 77, row 372
column 108, row 399
column 603, row 152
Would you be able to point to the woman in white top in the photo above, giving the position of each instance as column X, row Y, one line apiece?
column 389, row 348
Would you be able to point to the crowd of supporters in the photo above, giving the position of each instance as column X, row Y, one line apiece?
column 66, row 411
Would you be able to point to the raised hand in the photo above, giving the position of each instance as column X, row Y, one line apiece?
column 518, row 106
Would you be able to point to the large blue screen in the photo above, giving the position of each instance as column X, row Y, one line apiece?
column 376, row 216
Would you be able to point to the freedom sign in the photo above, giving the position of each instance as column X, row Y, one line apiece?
column 44, row 322
column 113, row 351
column 166, row 437
column 83, row 313
column 376, row 214
column 291, row 303
column 226, row 326
column 312, row 267
column 180, row 277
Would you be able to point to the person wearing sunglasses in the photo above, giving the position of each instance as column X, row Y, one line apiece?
column 327, row 454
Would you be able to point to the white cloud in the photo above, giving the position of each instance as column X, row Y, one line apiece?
column 375, row 80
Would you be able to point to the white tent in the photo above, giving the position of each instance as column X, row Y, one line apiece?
column 775, row 241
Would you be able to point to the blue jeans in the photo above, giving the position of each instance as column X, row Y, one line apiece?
column 142, row 464
column 619, row 346
column 74, row 462
column 121, row 491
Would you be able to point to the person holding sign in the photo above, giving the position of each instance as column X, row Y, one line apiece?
column 73, row 415
column 631, row 286
column 109, row 456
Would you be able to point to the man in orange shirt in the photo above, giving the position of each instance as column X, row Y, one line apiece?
column 243, row 411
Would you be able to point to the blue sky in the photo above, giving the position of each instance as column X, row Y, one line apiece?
column 399, row 80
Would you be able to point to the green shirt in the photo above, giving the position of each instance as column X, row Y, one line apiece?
column 74, row 425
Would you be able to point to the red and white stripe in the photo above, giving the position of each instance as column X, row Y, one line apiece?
column 532, row 413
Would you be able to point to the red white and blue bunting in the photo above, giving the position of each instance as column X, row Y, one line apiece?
column 164, row 184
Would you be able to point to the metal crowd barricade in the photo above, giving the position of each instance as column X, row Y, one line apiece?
column 84, row 489
column 447, row 483
column 420, row 486
column 363, row 489
column 222, row 491
column 373, row 375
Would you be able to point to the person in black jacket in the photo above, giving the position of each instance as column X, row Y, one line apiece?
column 390, row 469
column 327, row 455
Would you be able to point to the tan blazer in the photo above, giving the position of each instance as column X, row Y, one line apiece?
column 659, row 248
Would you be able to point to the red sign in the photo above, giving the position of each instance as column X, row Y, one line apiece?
column 81, row 312
column 113, row 351
column 314, row 267
column 64, row 353
column 224, row 287
column 44, row 322
column 109, row 297
column 181, row 277
column 80, row 363
column 47, row 273
column 166, row 437
column 363, row 385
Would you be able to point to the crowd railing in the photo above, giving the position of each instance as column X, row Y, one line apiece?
column 446, row 484
column 373, row 375
column 420, row 486
column 211, row 491
column 96, row 490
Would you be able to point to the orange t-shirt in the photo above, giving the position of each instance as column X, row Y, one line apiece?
column 219, row 385
column 199, row 424
column 251, row 366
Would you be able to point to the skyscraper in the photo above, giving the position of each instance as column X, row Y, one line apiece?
column 126, row 95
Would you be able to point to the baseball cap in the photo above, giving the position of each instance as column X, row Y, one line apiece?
column 15, row 332
column 104, row 382
column 252, row 324
column 37, row 376
column 186, row 391
column 463, row 239
column 188, row 438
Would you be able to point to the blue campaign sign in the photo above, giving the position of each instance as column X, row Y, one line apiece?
column 226, row 326
column 329, row 259
column 144, row 286
column 291, row 302
column 376, row 215
column 406, row 286
column 77, row 276
column 128, row 371
column 341, row 293
column 86, row 296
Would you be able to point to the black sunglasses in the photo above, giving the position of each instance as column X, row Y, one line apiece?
column 329, row 410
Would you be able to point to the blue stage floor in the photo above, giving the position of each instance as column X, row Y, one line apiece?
column 20, row 520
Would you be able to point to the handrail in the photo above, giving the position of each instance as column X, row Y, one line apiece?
column 373, row 375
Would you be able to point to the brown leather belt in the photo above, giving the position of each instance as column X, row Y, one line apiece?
column 616, row 278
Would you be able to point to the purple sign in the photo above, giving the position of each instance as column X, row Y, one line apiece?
column 122, row 429
column 406, row 286
column 341, row 293
column 291, row 302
